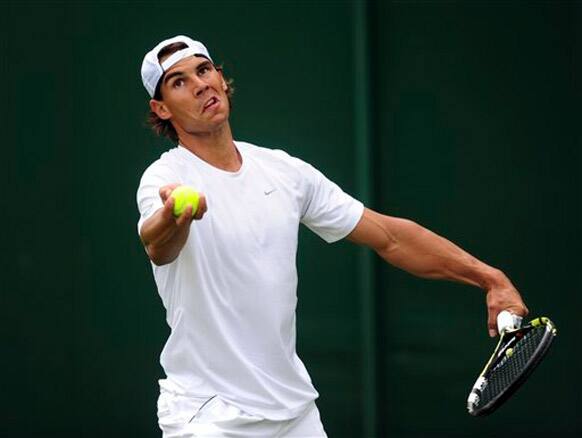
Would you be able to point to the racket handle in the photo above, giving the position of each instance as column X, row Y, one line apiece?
column 507, row 321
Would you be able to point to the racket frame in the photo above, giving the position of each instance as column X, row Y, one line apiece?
column 500, row 350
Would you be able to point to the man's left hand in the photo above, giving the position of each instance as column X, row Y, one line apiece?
column 503, row 297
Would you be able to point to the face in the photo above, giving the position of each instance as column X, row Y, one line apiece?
column 193, row 96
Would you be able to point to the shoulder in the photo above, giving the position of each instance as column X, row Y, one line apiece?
column 166, row 166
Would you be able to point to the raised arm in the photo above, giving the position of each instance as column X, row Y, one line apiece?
column 410, row 247
column 164, row 235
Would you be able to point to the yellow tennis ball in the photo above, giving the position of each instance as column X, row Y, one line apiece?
column 183, row 197
column 509, row 352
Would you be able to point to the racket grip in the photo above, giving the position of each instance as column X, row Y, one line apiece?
column 507, row 321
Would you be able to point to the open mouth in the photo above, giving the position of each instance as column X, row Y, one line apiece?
column 211, row 103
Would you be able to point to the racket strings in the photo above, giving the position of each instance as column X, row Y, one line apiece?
column 508, row 369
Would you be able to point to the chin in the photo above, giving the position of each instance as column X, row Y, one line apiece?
column 220, row 118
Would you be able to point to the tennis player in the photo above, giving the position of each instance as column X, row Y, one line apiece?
column 226, row 273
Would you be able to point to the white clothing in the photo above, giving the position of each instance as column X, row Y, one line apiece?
column 186, row 417
column 230, row 295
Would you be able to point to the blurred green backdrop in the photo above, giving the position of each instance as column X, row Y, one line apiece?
column 475, row 132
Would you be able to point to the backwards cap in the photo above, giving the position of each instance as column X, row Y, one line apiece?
column 152, row 70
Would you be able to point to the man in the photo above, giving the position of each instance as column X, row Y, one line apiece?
column 226, row 272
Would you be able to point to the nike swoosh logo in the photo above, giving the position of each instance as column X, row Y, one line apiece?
column 269, row 192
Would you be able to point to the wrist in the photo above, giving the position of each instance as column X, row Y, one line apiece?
column 494, row 278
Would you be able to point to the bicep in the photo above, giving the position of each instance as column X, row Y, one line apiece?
column 373, row 230
column 378, row 231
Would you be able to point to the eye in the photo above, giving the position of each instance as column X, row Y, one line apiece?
column 204, row 69
column 178, row 83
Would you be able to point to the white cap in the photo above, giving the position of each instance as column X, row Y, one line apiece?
column 152, row 70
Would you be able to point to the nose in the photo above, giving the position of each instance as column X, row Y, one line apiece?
column 199, row 86
column 199, row 91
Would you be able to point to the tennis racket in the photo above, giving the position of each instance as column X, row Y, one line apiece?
column 518, row 353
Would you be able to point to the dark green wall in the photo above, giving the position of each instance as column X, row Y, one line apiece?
column 476, row 134
column 478, row 118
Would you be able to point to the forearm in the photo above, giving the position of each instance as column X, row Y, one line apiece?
column 413, row 248
column 162, row 238
column 164, row 235
column 421, row 252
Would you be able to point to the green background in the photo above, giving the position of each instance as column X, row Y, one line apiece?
column 474, row 118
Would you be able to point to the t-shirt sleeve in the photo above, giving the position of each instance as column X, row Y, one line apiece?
column 327, row 210
column 148, row 193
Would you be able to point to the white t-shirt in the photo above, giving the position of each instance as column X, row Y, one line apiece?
column 231, row 294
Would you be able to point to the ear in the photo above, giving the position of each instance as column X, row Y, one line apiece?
column 160, row 108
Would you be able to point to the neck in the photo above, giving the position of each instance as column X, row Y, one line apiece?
column 215, row 147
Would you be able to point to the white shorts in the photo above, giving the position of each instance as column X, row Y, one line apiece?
column 180, row 416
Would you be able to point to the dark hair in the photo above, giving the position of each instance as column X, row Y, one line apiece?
column 164, row 127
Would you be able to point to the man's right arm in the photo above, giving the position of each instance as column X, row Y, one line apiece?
column 164, row 235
